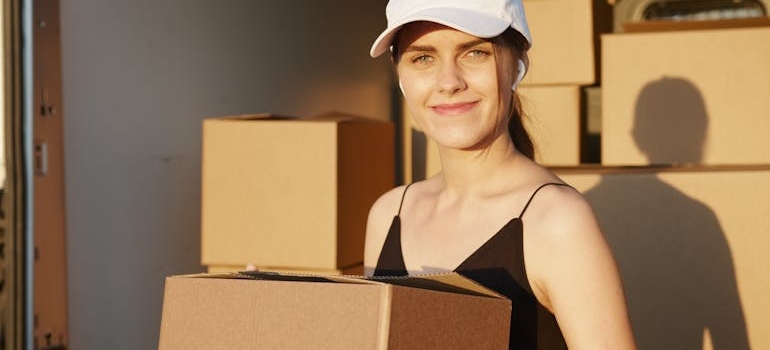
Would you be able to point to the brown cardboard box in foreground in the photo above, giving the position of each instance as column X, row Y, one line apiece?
column 280, row 312
column 697, row 96
column 291, row 194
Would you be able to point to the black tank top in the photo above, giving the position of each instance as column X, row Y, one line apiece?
column 499, row 265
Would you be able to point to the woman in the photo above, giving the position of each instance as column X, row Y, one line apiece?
column 492, row 214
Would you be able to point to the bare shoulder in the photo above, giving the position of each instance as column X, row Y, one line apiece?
column 560, row 210
column 385, row 208
column 380, row 217
column 560, row 226
column 573, row 272
column 387, row 204
column 553, row 202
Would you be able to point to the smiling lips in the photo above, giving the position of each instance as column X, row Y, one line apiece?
column 453, row 108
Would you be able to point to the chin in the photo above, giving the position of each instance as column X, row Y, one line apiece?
column 464, row 143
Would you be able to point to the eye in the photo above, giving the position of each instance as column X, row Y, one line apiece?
column 478, row 54
column 422, row 59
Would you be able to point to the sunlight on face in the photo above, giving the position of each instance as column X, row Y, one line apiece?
column 450, row 84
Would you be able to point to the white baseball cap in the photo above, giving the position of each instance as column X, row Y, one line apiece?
column 481, row 18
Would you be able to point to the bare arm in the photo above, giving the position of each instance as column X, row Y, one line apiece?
column 574, row 273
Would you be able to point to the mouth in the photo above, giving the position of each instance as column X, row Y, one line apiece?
column 453, row 108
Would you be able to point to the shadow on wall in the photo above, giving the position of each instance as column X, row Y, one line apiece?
column 675, row 261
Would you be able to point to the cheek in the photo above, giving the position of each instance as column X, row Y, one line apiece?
column 412, row 88
column 414, row 97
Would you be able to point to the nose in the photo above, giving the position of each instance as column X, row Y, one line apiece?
column 450, row 78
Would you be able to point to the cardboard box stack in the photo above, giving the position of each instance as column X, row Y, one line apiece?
column 259, row 311
column 289, row 194
column 293, row 195
column 564, row 61
column 680, row 192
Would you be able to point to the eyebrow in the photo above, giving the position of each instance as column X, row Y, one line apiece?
column 460, row 47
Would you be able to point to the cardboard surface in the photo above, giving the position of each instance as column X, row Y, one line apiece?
column 667, row 25
column 691, row 245
column 278, row 312
column 553, row 122
column 290, row 193
column 565, row 40
column 696, row 96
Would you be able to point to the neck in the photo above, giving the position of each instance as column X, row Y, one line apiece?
column 466, row 171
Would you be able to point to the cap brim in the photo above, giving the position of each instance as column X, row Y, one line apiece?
column 479, row 25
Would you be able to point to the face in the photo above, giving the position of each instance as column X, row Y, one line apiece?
column 450, row 85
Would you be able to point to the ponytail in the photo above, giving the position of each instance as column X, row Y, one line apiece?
column 515, row 42
column 516, row 129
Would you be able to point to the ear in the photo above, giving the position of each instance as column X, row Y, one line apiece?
column 401, row 86
column 522, row 70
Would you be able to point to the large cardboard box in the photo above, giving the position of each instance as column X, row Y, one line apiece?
column 279, row 312
column 565, row 35
column 692, row 246
column 290, row 193
column 697, row 96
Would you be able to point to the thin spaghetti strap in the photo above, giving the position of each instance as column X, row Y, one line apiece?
column 402, row 198
column 536, row 191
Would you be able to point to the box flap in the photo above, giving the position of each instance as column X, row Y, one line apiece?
column 255, row 116
column 450, row 282
column 295, row 277
column 337, row 117
column 341, row 117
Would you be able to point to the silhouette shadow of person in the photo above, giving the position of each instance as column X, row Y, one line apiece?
column 673, row 256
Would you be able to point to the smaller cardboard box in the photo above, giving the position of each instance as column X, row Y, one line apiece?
column 291, row 193
column 553, row 122
column 565, row 35
column 269, row 311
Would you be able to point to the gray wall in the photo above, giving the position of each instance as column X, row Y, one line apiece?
column 138, row 78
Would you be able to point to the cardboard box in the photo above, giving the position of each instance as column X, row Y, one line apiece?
column 565, row 35
column 553, row 122
column 279, row 312
column 697, row 96
column 692, row 247
column 289, row 193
